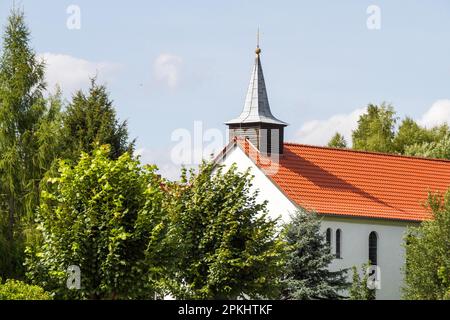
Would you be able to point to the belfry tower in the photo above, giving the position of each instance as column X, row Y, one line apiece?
column 256, row 122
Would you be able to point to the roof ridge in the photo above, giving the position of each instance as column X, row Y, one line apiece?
column 368, row 152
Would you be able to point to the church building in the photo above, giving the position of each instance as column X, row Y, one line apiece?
column 366, row 200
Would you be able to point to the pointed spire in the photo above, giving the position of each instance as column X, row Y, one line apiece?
column 256, row 106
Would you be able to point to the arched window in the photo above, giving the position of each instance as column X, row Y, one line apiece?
column 328, row 237
column 373, row 248
column 338, row 243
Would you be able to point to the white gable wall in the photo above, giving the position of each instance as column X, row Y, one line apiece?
column 278, row 205
column 355, row 231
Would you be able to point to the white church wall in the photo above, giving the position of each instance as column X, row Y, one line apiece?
column 278, row 204
column 355, row 249
column 355, row 231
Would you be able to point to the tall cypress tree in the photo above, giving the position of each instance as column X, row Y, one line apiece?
column 24, row 118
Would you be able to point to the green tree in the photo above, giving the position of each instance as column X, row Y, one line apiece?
column 307, row 274
column 375, row 131
column 18, row 290
column 25, row 118
column 359, row 289
column 226, row 246
column 337, row 141
column 90, row 119
column 104, row 216
column 439, row 148
column 410, row 133
column 427, row 267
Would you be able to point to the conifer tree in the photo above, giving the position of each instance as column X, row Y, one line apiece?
column 25, row 117
column 307, row 274
column 91, row 119
column 337, row 141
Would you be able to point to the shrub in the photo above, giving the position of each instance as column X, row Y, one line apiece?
column 18, row 290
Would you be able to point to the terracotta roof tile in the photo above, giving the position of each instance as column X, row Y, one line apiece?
column 356, row 183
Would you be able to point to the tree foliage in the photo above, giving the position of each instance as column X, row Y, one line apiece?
column 91, row 119
column 18, row 290
column 104, row 216
column 376, row 129
column 427, row 268
column 359, row 289
column 410, row 133
column 26, row 149
column 439, row 148
column 337, row 141
column 225, row 245
column 376, row 132
column 307, row 274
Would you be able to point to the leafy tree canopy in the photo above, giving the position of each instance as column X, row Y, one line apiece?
column 427, row 268
column 226, row 245
column 410, row 133
column 18, row 290
column 359, row 289
column 104, row 216
column 375, row 131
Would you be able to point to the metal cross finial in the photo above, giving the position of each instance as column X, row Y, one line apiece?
column 258, row 50
column 257, row 38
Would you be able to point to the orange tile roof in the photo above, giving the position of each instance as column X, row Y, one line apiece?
column 357, row 183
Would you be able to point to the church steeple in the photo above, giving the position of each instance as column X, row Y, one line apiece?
column 256, row 121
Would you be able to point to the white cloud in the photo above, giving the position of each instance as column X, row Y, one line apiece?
column 439, row 113
column 319, row 132
column 72, row 73
column 167, row 69
column 162, row 158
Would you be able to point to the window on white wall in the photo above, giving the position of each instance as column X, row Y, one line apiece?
column 328, row 237
column 373, row 248
column 338, row 243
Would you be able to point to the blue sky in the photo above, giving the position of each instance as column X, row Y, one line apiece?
column 170, row 63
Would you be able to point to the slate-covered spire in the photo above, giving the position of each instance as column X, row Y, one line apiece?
column 256, row 122
column 256, row 106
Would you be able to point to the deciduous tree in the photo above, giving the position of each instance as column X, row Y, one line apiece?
column 410, row 133
column 104, row 216
column 359, row 289
column 375, row 131
column 427, row 268
column 226, row 245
